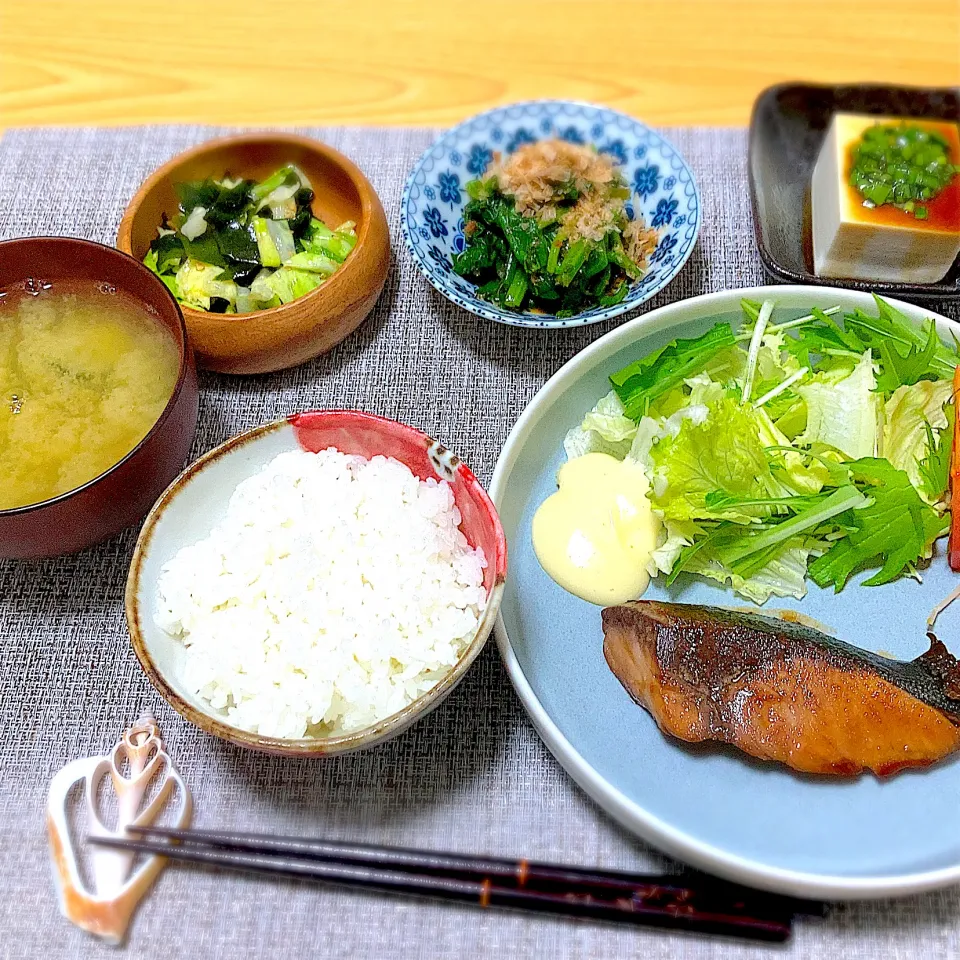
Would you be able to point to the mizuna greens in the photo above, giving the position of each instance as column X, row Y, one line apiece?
column 816, row 447
column 236, row 246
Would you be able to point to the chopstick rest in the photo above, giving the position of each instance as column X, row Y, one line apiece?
column 146, row 784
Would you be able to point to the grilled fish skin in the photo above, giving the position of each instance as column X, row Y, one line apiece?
column 783, row 691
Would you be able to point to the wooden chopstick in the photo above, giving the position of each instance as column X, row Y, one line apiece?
column 636, row 910
column 697, row 890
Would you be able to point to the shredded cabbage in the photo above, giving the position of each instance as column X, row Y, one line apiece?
column 288, row 283
column 195, row 225
column 197, row 282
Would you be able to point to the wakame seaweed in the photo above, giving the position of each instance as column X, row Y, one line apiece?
column 236, row 245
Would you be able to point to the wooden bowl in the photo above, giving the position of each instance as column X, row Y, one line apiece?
column 196, row 502
column 287, row 335
column 120, row 496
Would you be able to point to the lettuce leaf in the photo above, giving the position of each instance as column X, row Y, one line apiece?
column 704, row 390
column 722, row 452
column 649, row 431
column 783, row 575
column 603, row 430
column 844, row 414
column 726, row 367
column 269, row 254
column 912, row 413
column 774, row 363
column 314, row 262
column 171, row 284
column 288, row 282
column 652, row 430
column 335, row 244
column 674, row 536
column 802, row 475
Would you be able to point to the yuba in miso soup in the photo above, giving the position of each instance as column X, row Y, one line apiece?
column 85, row 372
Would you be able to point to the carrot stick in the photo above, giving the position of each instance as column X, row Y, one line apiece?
column 954, row 542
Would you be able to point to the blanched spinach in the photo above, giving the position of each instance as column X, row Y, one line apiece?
column 519, row 264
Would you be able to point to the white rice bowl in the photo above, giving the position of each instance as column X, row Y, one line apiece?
column 335, row 592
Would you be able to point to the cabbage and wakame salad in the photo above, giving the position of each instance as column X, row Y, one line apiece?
column 236, row 245
column 815, row 447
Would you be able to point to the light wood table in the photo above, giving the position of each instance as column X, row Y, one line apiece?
column 427, row 62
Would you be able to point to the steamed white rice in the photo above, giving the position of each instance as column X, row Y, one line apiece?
column 335, row 592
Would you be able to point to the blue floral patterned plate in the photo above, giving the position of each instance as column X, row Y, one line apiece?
column 664, row 193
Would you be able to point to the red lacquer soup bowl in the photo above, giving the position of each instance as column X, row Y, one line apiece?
column 122, row 494
column 196, row 502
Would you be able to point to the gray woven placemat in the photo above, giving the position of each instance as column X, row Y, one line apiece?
column 473, row 776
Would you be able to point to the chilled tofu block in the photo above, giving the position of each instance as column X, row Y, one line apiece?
column 855, row 237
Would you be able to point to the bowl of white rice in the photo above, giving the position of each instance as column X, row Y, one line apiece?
column 316, row 585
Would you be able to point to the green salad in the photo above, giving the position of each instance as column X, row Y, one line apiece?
column 236, row 246
column 815, row 447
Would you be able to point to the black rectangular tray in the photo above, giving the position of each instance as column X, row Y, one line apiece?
column 788, row 125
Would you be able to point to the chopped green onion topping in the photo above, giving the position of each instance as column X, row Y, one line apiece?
column 901, row 164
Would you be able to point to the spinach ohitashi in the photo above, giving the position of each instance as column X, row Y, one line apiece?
column 547, row 229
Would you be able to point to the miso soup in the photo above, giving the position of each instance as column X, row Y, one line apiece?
column 85, row 372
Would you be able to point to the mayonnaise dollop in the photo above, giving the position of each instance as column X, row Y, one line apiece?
column 596, row 534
